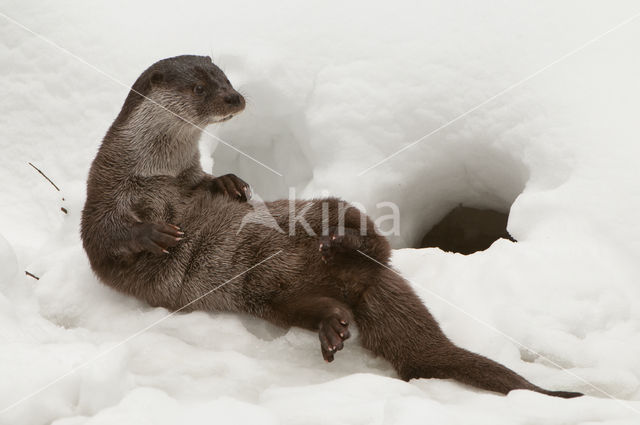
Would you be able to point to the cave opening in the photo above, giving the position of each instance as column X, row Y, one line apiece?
column 466, row 230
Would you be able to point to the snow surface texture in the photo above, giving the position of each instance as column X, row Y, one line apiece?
column 332, row 89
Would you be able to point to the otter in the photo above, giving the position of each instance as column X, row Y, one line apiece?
column 155, row 226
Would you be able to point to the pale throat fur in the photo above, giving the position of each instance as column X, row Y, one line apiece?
column 160, row 138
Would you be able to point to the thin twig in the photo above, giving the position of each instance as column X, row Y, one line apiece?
column 45, row 176
column 31, row 275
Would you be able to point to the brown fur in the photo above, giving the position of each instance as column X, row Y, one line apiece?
column 142, row 180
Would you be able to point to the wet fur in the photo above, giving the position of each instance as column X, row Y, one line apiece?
column 148, row 171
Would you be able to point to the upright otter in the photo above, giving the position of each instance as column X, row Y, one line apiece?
column 146, row 188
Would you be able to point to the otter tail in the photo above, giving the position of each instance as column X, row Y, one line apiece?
column 395, row 324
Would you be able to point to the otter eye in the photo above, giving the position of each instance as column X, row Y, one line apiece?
column 199, row 90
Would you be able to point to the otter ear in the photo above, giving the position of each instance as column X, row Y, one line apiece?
column 156, row 77
column 210, row 60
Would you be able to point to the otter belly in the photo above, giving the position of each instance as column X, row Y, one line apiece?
column 237, row 256
column 209, row 269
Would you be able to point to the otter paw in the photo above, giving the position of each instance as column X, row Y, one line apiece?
column 231, row 186
column 327, row 246
column 334, row 330
column 156, row 237
column 338, row 240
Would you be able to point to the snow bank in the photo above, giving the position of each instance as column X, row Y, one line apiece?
column 332, row 90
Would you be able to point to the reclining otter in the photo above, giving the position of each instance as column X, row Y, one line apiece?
column 157, row 227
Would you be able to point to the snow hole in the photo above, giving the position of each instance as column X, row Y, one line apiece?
column 466, row 206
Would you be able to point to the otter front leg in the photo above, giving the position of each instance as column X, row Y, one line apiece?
column 154, row 237
column 231, row 186
column 328, row 316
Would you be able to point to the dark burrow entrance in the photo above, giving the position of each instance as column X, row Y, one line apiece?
column 466, row 230
column 461, row 199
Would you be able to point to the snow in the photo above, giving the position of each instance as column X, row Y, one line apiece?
column 332, row 89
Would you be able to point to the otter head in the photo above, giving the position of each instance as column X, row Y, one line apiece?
column 192, row 88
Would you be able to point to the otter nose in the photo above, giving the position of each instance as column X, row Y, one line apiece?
column 233, row 99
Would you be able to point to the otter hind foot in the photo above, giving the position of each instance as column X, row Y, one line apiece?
column 338, row 241
column 334, row 330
